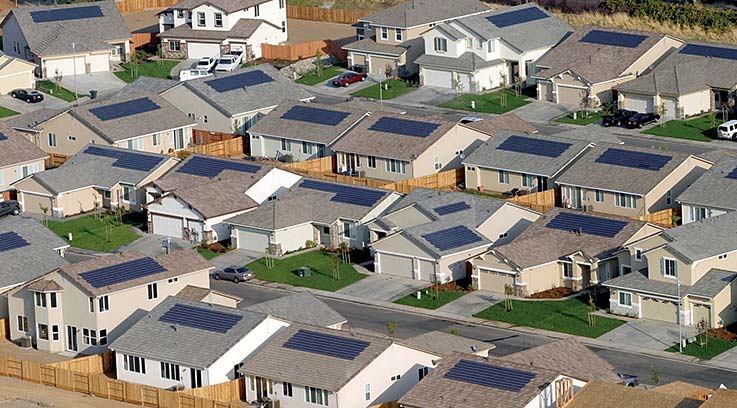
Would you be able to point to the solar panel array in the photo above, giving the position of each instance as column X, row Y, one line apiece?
column 633, row 159
column 404, row 127
column 537, row 147
column 126, row 159
column 346, row 194
column 326, row 344
column 11, row 240
column 517, row 17
column 66, row 14
column 3, row 137
column 317, row 116
column 200, row 318
column 613, row 38
column 453, row 237
column 452, row 208
column 122, row 272
column 211, row 167
column 123, row 109
column 488, row 375
column 236, row 81
column 732, row 174
column 710, row 51
column 587, row 224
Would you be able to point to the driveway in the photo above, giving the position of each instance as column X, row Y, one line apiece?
column 425, row 95
column 152, row 245
column 49, row 102
column 383, row 287
column 327, row 88
column 649, row 334
column 104, row 82
column 236, row 257
column 542, row 111
column 472, row 303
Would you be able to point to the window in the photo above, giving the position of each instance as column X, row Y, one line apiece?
column 438, row 165
column 129, row 194
column 669, row 197
column 135, row 144
column 625, row 200
column 384, row 33
column 316, row 396
column 699, row 213
column 25, row 171
column 170, row 371
column 89, row 337
column 491, row 46
column 153, row 291
column 204, row 119
column 180, row 13
column 103, row 337
column 40, row 299
column 191, row 115
column 175, row 45
column 52, row 139
column 503, row 177
column 528, row 180
column 103, row 303
column 286, row 145
column 72, row 138
column 55, row 332
column 422, row 373
column 396, row 377
column 52, row 299
column 284, row 26
column 372, row 162
column 156, row 139
column 178, row 139
column 195, row 378
column 367, row 392
column 43, row 331
column 173, row 280
column 326, row 230
column 106, row 194
column 308, row 148
column 134, row 364
column 441, row 44
column 287, row 389
column 218, row 19
column 599, row 196
column 92, row 304
column 479, row 44
column 22, row 323
column 347, row 229
column 722, row 256
column 394, row 166
column 567, row 269
column 504, row 235
column 399, row 35
column 469, row 42
column 625, row 299
column 668, row 267
column 282, row 3
column 201, row 19
column 626, row 269
column 256, row 11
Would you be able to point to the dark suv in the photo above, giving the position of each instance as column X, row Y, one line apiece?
column 639, row 120
column 9, row 207
column 617, row 118
column 28, row 95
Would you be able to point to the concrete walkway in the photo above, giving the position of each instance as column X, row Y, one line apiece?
column 236, row 257
column 472, row 303
column 650, row 334
column 383, row 287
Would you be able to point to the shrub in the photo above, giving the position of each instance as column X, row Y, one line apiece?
column 687, row 15
column 310, row 244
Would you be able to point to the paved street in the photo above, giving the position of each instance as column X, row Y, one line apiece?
column 49, row 102
column 649, row 334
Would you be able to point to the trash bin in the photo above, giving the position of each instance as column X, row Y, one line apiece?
column 304, row 272
column 93, row 93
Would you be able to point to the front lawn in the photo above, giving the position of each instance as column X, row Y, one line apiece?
column 149, row 69
column 566, row 316
column 392, row 89
column 489, row 102
column 99, row 235
column 207, row 253
column 285, row 271
column 5, row 112
column 311, row 78
column 715, row 346
column 428, row 299
column 49, row 87
column 591, row 117
column 694, row 129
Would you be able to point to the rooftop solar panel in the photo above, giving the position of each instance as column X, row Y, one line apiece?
column 346, row 194
column 242, row 80
column 489, row 375
column 317, row 116
column 732, row 174
column 633, row 159
column 66, row 14
column 123, row 272
column 3, row 137
column 710, row 51
column 453, row 237
column 11, row 240
column 126, row 159
column 452, row 208
column 404, row 127
column 613, row 38
column 537, row 147
column 211, row 167
column 517, row 17
column 201, row 318
column 587, row 224
column 326, row 344
column 123, row 109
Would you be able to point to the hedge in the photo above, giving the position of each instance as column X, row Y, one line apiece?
column 688, row 15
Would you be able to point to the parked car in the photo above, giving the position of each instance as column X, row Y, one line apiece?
column 206, row 63
column 234, row 273
column 238, row 55
column 9, row 207
column 187, row 74
column 639, row 120
column 226, row 63
column 617, row 118
column 469, row 119
column 348, row 78
column 28, row 95
column 727, row 130
column 629, row 379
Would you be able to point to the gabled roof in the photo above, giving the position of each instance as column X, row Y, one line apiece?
column 506, row 121
column 15, row 148
column 684, row 389
column 31, row 121
column 708, row 286
column 418, row 12
column 242, row 30
column 721, row 399
column 446, row 344
column 704, row 239
column 466, row 62
column 33, row 260
column 604, row 395
column 714, row 189
column 369, row 44
column 145, row 85
column 302, row 307
column 228, row 6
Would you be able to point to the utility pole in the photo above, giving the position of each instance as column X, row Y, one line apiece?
column 381, row 90
column 680, row 332
column 74, row 64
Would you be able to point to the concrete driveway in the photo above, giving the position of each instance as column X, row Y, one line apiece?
column 152, row 245
column 425, row 95
column 383, row 287
column 650, row 334
column 49, row 102
column 542, row 111
column 104, row 83
column 472, row 303
column 236, row 257
column 327, row 88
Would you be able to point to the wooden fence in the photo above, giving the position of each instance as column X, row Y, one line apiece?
column 94, row 364
column 203, row 137
column 320, row 165
column 294, row 52
column 439, row 181
column 142, row 39
column 132, row 6
column 4, row 329
column 55, row 160
column 225, row 148
column 228, row 391
column 664, row 218
column 325, row 15
column 541, row 201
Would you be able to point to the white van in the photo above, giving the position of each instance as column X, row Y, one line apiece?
column 727, row 130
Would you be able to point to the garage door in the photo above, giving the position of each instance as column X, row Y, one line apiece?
column 701, row 312
column 642, row 104
column 441, row 79
column 670, row 108
column 657, row 309
column 494, row 281
column 15, row 81
column 33, row 203
column 379, row 64
column 253, row 240
column 99, row 63
column 65, row 66
column 167, row 226
column 199, row 50
column 570, row 96
column 396, row 265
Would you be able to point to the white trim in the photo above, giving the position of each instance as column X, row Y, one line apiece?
column 482, row 268
column 599, row 188
column 404, row 255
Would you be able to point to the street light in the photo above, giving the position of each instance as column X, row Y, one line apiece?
column 680, row 332
column 74, row 67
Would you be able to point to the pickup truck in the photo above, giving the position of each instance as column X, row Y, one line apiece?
column 227, row 63
column 187, row 74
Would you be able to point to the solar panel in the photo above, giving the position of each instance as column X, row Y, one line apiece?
column 200, row 318
column 123, row 109
column 613, row 38
column 452, row 208
column 537, row 147
column 404, row 127
column 11, row 240
column 633, row 159
column 122, row 272
column 710, row 51
column 345, row 194
column 732, row 174
column 587, row 224
column 326, row 344
column 454, row 237
column 126, row 159
column 212, row 167
column 489, row 375
column 3, row 137
column 517, row 17
column 65, row 14
column 242, row 80
column 318, row 116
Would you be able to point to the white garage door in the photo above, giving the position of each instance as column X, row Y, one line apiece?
column 167, row 226
column 99, row 62
column 199, row 50
column 670, row 108
column 495, row 281
column 643, row 104
column 64, row 66
column 396, row 265
column 442, row 79
column 253, row 240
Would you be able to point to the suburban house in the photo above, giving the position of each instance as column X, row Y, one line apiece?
column 143, row 123
column 311, row 213
column 446, row 344
column 200, row 294
column 19, row 158
column 628, row 181
column 301, row 131
column 430, row 234
column 684, row 389
column 511, row 160
column 563, row 248
column 694, row 79
column 390, row 39
column 98, row 177
column 308, row 365
column 712, row 194
column 695, row 261
column 193, row 199
column 193, row 29
column 302, row 308
column 15, row 73
column 490, row 50
column 82, row 307
column 593, row 60
column 490, row 125
column 197, row 344
column 67, row 40
column 605, row 395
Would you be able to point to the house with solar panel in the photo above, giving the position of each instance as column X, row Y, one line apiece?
column 489, row 50
column 81, row 308
column 593, row 60
column 303, row 308
column 307, row 365
column 712, row 194
column 628, row 181
column 431, row 234
column 97, row 178
column 193, row 200
column 19, row 158
column 322, row 212
column 67, row 39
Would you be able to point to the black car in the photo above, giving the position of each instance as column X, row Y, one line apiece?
column 28, row 95
column 617, row 118
column 639, row 120
column 9, row 207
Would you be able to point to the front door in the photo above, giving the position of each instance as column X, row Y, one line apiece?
column 585, row 274
column 262, row 388
column 72, row 338
column 195, row 378
column 351, row 163
column 574, row 197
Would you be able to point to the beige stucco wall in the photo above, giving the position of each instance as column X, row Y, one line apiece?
column 458, row 141
column 166, row 141
column 380, row 171
column 10, row 174
column 64, row 126
column 539, row 278
column 676, row 182
column 607, row 206
column 651, row 56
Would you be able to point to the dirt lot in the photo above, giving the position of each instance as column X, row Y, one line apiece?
column 142, row 21
column 304, row 31
column 16, row 393
column 11, row 350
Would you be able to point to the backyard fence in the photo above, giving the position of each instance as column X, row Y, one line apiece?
column 4, row 329
column 142, row 39
column 132, row 6
column 541, row 201
column 321, row 165
column 325, row 15
column 203, row 137
column 94, row 364
column 224, row 148
column 294, row 52
column 664, row 218
column 55, row 160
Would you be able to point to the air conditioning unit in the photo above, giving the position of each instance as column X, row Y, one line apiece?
column 25, row 342
column 177, row 387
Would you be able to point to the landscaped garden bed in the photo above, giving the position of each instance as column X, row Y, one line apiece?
column 446, row 293
column 491, row 102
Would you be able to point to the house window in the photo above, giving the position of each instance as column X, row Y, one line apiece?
column 52, row 139
column 106, row 194
column 504, row 235
column 286, row 145
column 527, row 180
column 103, row 337
column 287, row 389
column 479, row 44
column 626, row 269
column 22, row 324
column 469, row 42
column 669, row 267
column 438, row 165
column 394, row 166
column 72, row 138
column 625, row 200
column 103, row 303
column 52, row 299
column 135, row 144
column 175, row 45
column 25, row 171
column 43, row 332
column 173, row 280
column 599, row 196
column 399, row 35
column 491, row 46
column 625, row 299
column 218, row 19
column 201, row 19
column 256, row 11
column 89, row 337
column 40, row 299
column 722, row 256
column 129, row 194
column 284, row 26
column 699, row 213
column 367, row 392
column 503, row 177
column 316, row 396
column 441, row 44
column 170, row 371
column 153, row 291
column 156, row 139
column 372, row 162
column 308, row 148
column 422, row 373
column 567, row 270
column 195, row 378
column 180, row 13
column 134, row 364
column 91, row 303
column 396, row 377
column 346, row 229
column 204, row 119
column 55, row 332
column 326, row 230
column 178, row 139
column 384, row 33
column 638, row 254
column 282, row 3
column 669, row 197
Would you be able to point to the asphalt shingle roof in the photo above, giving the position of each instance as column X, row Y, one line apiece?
column 146, row 85
column 417, row 12
column 711, row 284
column 604, row 395
column 445, row 343
column 228, row 6
column 704, row 239
column 302, row 307
column 507, row 121
column 466, row 62
column 31, row 261
column 713, row 188
column 243, row 29
column 370, row 45
column 17, row 149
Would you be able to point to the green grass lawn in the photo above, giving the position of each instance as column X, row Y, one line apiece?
column 5, row 112
column 49, row 87
column 428, row 301
column 322, row 271
column 488, row 102
column 89, row 233
column 592, row 117
column 694, row 129
column 207, row 253
column 311, row 77
column 715, row 346
column 395, row 88
column 566, row 316
column 149, row 69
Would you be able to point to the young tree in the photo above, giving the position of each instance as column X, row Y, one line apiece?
column 391, row 327
column 502, row 90
column 584, row 103
column 58, row 76
column 592, row 311
column 654, row 376
column 458, row 86
column 389, row 71
column 45, row 211
column 454, row 332
column 702, row 327
column 508, row 293
column 160, row 54
column 319, row 64
column 662, row 110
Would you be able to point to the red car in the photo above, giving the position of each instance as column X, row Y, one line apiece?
column 348, row 78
